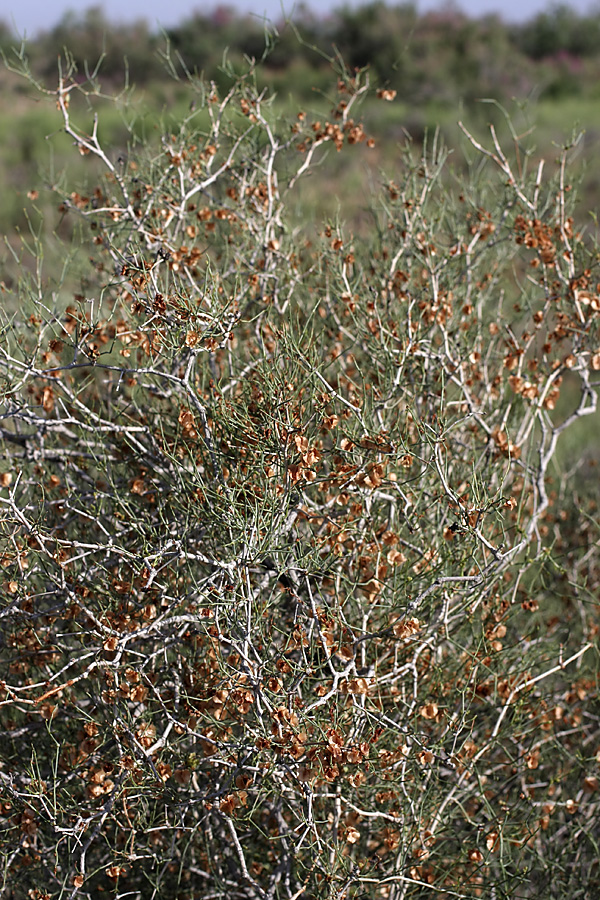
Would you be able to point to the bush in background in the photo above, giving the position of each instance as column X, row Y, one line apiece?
column 295, row 601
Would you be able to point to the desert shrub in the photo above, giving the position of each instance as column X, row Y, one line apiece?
column 295, row 602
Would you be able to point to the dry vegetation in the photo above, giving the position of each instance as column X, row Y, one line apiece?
column 295, row 601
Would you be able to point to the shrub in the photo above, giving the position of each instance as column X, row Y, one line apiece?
column 295, row 602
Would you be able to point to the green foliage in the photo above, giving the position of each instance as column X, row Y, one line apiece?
column 443, row 53
column 295, row 603
column 90, row 37
column 559, row 31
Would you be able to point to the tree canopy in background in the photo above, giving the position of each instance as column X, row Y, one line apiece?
column 443, row 55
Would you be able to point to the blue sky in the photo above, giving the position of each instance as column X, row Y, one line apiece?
column 33, row 15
